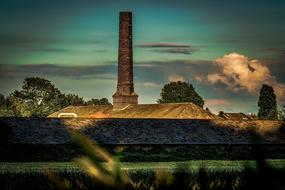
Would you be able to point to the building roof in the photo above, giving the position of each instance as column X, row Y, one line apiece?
column 235, row 116
column 169, row 110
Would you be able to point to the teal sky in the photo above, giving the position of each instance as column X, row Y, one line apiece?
column 75, row 44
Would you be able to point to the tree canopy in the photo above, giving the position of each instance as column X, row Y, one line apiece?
column 102, row 101
column 4, row 110
column 175, row 92
column 38, row 97
column 2, row 100
column 267, row 103
column 73, row 100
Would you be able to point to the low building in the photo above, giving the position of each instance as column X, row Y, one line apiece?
column 236, row 116
column 162, row 111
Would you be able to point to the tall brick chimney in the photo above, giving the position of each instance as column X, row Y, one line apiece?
column 125, row 94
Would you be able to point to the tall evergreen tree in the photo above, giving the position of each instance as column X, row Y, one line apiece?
column 267, row 103
column 175, row 92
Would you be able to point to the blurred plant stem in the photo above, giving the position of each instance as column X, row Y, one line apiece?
column 99, row 164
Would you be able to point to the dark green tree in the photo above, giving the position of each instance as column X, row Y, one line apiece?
column 175, row 92
column 37, row 98
column 4, row 109
column 2, row 100
column 102, row 101
column 73, row 100
column 40, row 98
column 267, row 103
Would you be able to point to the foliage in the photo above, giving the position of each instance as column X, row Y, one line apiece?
column 4, row 109
column 267, row 103
column 107, row 174
column 211, row 165
column 2, row 100
column 5, row 112
column 73, row 100
column 37, row 98
column 102, row 101
column 175, row 92
column 145, row 153
column 186, row 175
column 18, row 106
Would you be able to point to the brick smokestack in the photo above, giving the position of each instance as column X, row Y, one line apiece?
column 125, row 94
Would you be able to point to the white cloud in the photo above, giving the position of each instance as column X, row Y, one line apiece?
column 238, row 72
column 175, row 78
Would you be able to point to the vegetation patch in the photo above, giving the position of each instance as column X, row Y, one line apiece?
column 140, row 153
column 212, row 174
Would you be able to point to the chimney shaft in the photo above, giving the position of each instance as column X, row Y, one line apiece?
column 125, row 94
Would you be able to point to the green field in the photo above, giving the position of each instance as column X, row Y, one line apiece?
column 192, row 165
column 205, row 174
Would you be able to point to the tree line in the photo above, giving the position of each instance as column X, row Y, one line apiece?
column 179, row 91
column 38, row 97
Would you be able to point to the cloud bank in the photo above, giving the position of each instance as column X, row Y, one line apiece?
column 238, row 72
column 78, row 71
column 176, row 48
column 159, row 45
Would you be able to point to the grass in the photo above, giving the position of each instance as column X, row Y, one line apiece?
column 214, row 165
column 199, row 174
column 101, row 170
column 141, row 153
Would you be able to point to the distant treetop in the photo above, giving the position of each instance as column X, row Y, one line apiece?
column 267, row 103
column 175, row 92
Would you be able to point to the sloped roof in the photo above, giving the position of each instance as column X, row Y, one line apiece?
column 235, row 116
column 169, row 110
